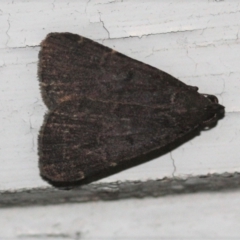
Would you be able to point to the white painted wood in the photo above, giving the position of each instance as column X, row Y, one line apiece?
column 195, row 41
column 195, row 217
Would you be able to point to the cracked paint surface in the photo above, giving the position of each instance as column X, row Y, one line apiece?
column 195, row 42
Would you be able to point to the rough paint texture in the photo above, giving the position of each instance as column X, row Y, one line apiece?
column 107, row 109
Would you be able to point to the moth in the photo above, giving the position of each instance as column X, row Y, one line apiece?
column 108, row 111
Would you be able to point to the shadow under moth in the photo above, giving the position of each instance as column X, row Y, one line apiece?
column 108, row 112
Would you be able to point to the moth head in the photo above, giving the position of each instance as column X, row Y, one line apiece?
column 214, row 112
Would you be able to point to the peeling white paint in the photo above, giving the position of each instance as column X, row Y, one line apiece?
column 196, row 42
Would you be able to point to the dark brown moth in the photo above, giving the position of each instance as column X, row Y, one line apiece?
column 107, row 110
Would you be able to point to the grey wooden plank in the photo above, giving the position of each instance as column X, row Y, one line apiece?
column 120, row 190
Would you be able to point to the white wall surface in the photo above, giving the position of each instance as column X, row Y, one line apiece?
column 195, row 41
